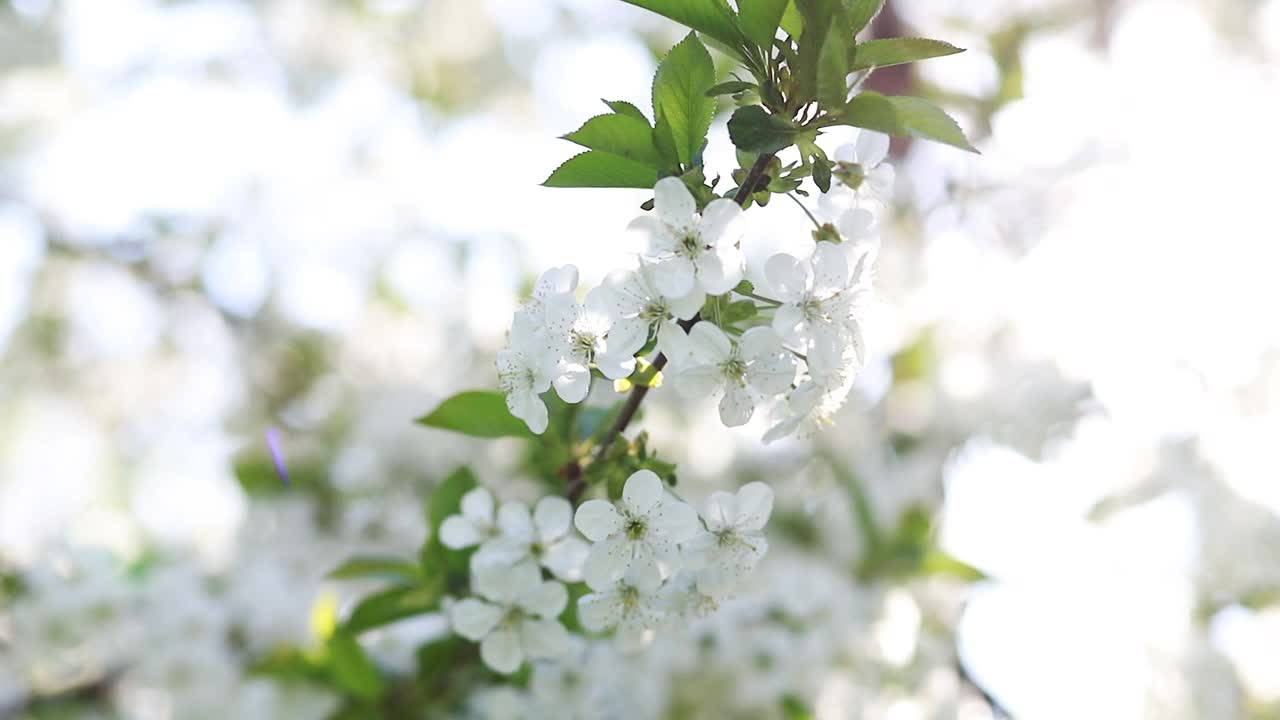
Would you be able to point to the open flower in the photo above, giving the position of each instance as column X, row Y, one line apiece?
column 632, row 609
column 473, row 525
column 516, row 617
column 638, row 308
column 545, row 536
column 580, row 333
column 861, row 167
column 733, row 542
column 822, row 299
column 715, row 365
column 812, row 404
column 691, row 252
column 639, row 537
column 525, row 371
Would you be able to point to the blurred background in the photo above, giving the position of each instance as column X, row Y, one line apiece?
column 1055, row 493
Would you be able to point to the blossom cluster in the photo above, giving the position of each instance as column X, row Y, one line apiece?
column 651, row 561
column 799, row 350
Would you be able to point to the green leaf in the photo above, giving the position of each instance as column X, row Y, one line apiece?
column 755, row 130
column 793, row 708
column 680, row 97
column 937, row 562
column 352, row 669
column 377, row 567
column 861, row 13
column 925, row 120
column 897, row 51
column 759, row 19
column 730, row 88
column 902, row 115
column 395, row 604
column 823, row 58
column 596, row 169
column 480, row 413
column 822, row 173
column 713, row 17
column 619, row 134
column 872, row 111
column 625, row 108
column 833, row 63
column 792, row 21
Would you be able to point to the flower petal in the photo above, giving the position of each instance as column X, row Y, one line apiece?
column 830, row 269
column 788, row 278
column 544, row 638
column 736, row 406
column 722, row 510
column 597, row 520
column 696, row 382
column 607, row 562
column 515, row 522
column 722, row 223
column 473, row 619
column 687, row 306
column 565, row 558
column 718, row 273
column 573, row 382
column 674, row 204
column 529, row 407
column 505, row 584
column 547, row 599
column 552, row 517
column 674, row 276
column 674, row 519
column 871, row 148
column 709, row 344
column 477, row 506
column 456, row 533
column 642, row 492
column 600, row 611
column 501, row 651
column 754, row 505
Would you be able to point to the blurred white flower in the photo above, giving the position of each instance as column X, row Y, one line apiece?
column 733, row 542
column 474, row 525
column 517, row 617
column 546, row 536
column 630, row 609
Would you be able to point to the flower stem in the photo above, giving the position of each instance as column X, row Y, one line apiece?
column 812, row 219
column 572, row 472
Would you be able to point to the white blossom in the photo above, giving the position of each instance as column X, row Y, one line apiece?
column 515, row 616
column 525, row 371
column 861, row 170
column 473, row 525
column 737, row 370
column 637, row 538
column 546, row 535
column 638, row 308
column 815, row 400
column 631, row 609
column 692, row 253
column 579, row 337
column 822, row 298
column 733, row 541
